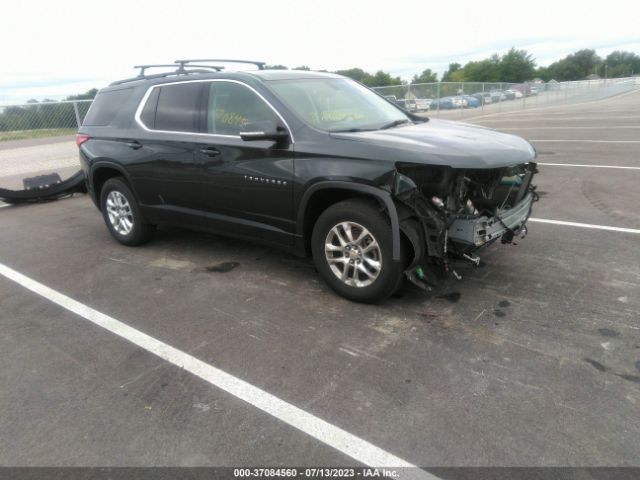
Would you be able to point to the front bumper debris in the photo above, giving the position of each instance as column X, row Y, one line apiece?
column 45, row 188
column 477, row 231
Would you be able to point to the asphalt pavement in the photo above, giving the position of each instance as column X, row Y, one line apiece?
column 532, row 359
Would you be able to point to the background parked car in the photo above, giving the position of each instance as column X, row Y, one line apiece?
column 482, row 97
column 523, row 88
column 408, row 104
column 472, row 102
column 423, row 104
column 448, row 103
column 497, row 96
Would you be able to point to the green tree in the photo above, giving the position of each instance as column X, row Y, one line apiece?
column 622, row 64
column 383, row 79
column 276, row 67
column 88, row 95
column 357, row 74
column 378, row 79
column 302, row 67
column 517, row 66
column 543, row 73
column 427, row 76
column 487, row 70
column 448, row 75
column 575, row 66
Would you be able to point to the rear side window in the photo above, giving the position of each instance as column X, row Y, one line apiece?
column 106, row 106
column 148, row 115
column 178, row 107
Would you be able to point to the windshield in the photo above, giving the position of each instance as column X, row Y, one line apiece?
column 338, row 104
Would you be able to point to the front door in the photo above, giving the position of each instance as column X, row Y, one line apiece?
column 247, row 185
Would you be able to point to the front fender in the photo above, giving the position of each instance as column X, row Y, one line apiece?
column 381, row 195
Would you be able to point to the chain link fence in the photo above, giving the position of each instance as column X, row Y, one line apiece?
column 467, row 99
column 46, row 119
column 37, row 143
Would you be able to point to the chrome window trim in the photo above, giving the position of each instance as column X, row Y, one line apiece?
column 145, row 97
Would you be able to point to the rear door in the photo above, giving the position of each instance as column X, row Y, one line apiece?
column 169, row 176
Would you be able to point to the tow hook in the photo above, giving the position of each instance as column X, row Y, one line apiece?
column 472, row 259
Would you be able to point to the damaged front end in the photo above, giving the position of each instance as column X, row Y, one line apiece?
column 449, row 214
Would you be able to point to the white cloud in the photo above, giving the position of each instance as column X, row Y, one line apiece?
column 96, row 41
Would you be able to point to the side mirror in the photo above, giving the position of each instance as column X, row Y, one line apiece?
column 263, row 131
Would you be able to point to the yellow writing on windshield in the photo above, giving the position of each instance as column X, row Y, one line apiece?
column 336, row 116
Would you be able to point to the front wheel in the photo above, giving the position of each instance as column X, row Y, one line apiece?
column 352, row 250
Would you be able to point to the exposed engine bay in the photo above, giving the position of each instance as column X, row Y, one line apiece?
column 449, row 214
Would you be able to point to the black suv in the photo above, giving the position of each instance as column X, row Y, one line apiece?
column 313, row 162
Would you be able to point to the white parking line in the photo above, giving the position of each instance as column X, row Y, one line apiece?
column 329, row 434
column 585, row 225
column 585, row 141
column 2, row 204
column 586, row 166
column 546, row 119
column 590, row 127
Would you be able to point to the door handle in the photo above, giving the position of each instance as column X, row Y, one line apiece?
column 210, row 152
column 134, row 144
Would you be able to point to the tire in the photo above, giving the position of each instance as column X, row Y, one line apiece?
column 122, row 214
column 371, row 284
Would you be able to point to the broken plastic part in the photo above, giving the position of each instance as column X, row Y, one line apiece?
column 40, row 189
column 437, row 202
column 472, row 259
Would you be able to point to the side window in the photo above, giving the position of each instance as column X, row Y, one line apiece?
column 106, row 106
column 178, row 107
column 231, row 106
column 148, row 115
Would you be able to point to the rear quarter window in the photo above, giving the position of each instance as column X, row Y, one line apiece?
column 106, row 106
column 148, row 115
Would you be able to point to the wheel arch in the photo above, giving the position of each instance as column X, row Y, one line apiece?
column 102, row 171
column 322, row 195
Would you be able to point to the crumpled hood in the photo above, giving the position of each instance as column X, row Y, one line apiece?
column 443, row 142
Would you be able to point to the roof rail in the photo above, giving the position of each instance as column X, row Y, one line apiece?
column 179, row 71
column 181, row 68
column 144, row 67
column 260, row 65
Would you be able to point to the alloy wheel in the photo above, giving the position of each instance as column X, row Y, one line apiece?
column 119, row 212
column 353, row 254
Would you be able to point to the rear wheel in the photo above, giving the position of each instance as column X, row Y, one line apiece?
column 122, row 214
column 352, row 249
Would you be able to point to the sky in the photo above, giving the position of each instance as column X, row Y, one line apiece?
column 53, row 49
